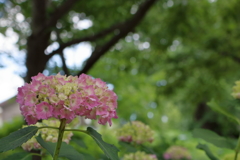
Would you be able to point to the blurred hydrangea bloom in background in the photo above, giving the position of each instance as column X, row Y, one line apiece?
column 139, row 156
column 177, row 153
column 49, row 135
column 236, row 90
column 136, row 132
column 64, row 97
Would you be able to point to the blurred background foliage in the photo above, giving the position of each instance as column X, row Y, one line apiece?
column 181, row 55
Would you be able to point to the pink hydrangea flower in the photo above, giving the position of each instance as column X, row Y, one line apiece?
column 67, row 97
column 44, row 110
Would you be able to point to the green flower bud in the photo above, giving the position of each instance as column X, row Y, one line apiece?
column 136, row 132
column 176, row 153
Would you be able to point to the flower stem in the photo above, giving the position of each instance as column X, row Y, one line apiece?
column 48, row 127
column 79, row 130
column 60, row 136
column 237, row 149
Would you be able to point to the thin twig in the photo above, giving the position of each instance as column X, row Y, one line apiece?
column 88, row 38
column 64, row 65
column 57, row 14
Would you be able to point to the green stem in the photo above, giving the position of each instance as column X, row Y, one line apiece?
column 79, row 130
column 48, row 127
column 236, row 155
column 237, row 149
column 60, row 136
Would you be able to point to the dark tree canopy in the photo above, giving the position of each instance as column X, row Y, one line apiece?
column 53, row 21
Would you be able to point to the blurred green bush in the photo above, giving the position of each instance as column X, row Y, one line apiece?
column 11, row 126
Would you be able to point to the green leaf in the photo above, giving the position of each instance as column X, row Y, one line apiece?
column 110, row 150
column 79, row 142
column 88, row 157
column 207, row 151
column 17, row 138
column 214, row 106
column 66, row 150
column 127, row 146
column 19, row 156
column 212, row 138
column 50, row 147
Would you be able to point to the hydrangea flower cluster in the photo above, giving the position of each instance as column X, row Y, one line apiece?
column 140, row 156
column 176, row 153
column 49, row 135
column 236, row 90
column 136, row 132
column 67, row 97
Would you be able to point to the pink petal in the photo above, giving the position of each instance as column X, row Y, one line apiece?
column 44, row 110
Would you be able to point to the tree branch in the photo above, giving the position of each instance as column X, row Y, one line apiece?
column 57, row 14
column 64, row 65
column 84, row 39
column 127, row 27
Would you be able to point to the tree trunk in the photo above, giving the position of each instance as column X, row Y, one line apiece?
column 208, row 119
column 36, row 59
column 201, row 117
column 38, row 41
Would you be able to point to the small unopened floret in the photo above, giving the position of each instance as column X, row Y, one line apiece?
column 176, row 153
column 136, row 132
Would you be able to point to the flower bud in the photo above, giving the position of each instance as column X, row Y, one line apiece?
column 176, row 153
column 136, row 132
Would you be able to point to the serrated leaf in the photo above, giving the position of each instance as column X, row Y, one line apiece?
column 17, row 138
column 207, row 151
column 110, row 150
column 212, row 138
column 214, row 106
column 19, row 156
column 66, row 150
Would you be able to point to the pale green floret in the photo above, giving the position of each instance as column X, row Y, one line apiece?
column 67, row 88
column 47, row 134
column 42, row 97
column 58, row 87
column 53, row 98
column 62, row 96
